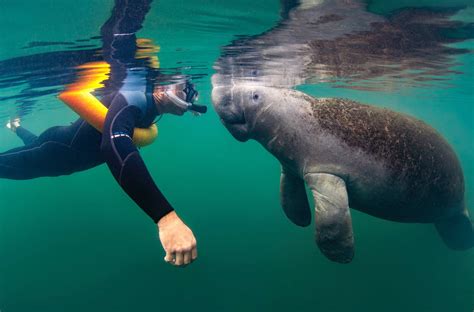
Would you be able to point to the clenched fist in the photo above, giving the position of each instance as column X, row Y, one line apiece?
column 177, row 239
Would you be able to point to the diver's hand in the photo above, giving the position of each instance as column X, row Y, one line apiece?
column 177, row 239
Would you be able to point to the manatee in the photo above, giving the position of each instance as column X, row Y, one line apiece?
column 377, row 161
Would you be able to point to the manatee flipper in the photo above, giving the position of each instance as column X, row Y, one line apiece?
column 457, row 231
column 334, row 235
column 293, row 198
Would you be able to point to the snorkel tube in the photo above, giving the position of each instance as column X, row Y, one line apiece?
column 186, row 106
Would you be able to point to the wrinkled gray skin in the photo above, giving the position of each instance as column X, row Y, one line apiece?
column 383, row 163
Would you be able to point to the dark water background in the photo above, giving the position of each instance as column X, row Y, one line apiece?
column 78, row 243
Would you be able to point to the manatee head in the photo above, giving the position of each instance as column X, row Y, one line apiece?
column 251, row 111
column 237, row 106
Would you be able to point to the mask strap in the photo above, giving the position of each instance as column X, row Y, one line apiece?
column 196, row 109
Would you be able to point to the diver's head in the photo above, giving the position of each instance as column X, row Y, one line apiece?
column 177, row 99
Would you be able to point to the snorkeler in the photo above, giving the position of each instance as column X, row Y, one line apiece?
column 132, row 101
column 63, row 150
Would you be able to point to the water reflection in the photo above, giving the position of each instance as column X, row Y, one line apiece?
column 24, row 79
column 340, row 41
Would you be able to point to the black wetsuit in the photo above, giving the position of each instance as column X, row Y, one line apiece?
column 67, row 149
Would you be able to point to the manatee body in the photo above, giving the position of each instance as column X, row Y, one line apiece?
column 374, row 160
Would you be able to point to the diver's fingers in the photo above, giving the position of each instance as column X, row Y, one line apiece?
column 170, row 256
column 194, row 253
column 187, row 257
column 179, row 258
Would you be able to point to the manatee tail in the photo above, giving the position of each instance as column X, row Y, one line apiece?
column 457, row 231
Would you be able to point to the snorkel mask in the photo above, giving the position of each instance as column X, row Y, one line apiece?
column 188, row 103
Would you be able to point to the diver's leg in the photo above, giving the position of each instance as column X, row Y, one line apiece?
column 30, row 161
column 57, row 151
column 25, row 135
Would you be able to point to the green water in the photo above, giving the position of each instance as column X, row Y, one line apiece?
column 78, row 243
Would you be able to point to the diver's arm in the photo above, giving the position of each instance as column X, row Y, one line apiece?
column 130, row 171
column 125, row 162
column 118, row 32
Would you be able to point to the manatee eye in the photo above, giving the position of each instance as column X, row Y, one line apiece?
column 255, row 97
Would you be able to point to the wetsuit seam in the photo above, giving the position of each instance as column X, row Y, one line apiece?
column 110, row 133
column 5, row 166
column 123, row 165
column 75, row 134
column 36, row 147
column 121, row 19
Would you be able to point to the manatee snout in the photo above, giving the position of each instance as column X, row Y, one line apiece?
column 230, row 111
